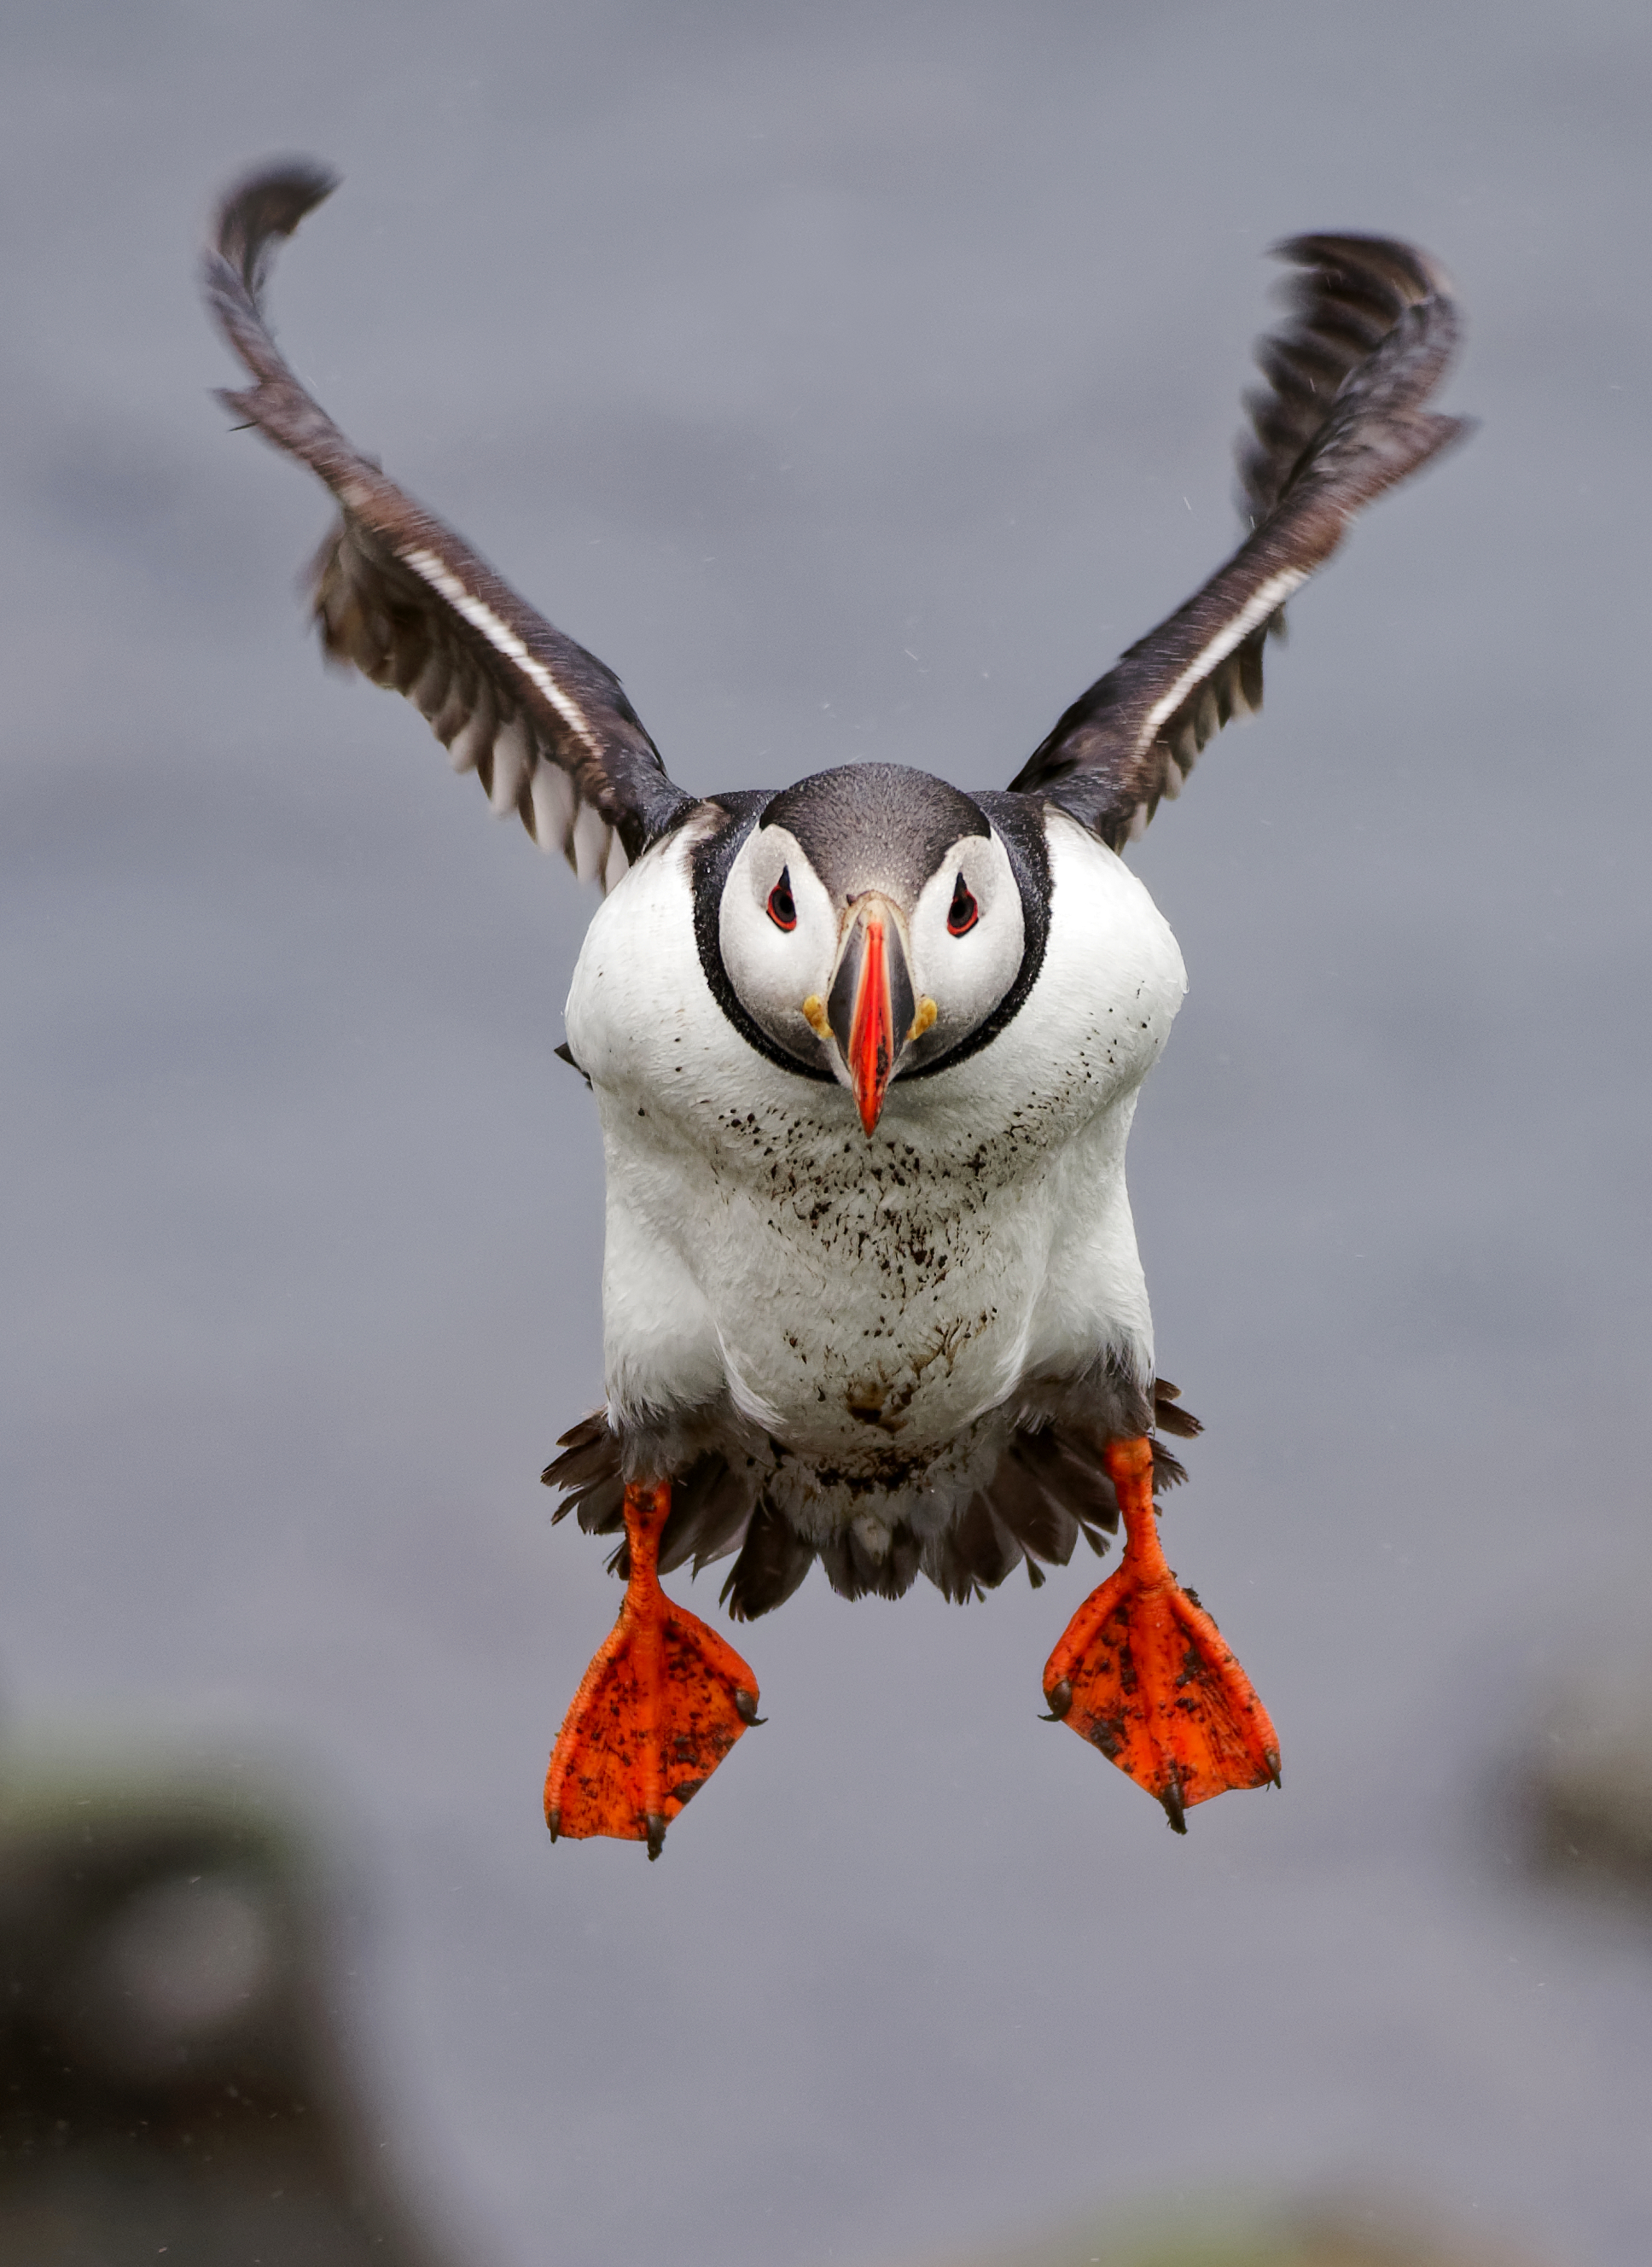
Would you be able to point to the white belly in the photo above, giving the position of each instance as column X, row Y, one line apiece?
column 863, row 1302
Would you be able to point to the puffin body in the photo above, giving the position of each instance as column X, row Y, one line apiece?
column 857, row 1329
column 866, row 1051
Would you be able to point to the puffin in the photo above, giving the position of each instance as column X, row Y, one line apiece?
column 865, row 1050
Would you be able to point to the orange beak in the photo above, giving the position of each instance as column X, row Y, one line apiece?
column 871, row 1006
column 872, row 1033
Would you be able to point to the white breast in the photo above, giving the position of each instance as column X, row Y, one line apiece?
column 864, row 1301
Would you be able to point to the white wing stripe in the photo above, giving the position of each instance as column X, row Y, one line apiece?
column 1273, row 593
column 502, row 638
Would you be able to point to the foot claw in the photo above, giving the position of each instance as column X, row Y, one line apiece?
column 1144, row 1675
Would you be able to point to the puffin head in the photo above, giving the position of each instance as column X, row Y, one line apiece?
column 869, row 925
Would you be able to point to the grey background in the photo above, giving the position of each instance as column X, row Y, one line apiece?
column 856, row 381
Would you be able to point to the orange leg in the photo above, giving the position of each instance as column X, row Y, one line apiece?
column 661, row 1705
column 1143, row 1673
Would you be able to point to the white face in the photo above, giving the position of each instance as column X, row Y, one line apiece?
column 962, row 940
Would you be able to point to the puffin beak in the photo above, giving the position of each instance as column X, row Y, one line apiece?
column 871, row 1007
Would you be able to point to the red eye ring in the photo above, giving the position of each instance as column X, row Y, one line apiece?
column 963, row 912
column 782, row 905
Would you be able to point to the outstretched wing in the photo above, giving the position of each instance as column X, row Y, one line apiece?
column 1341, row 417
column 545, row 727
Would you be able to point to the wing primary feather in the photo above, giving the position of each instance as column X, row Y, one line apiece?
column 552, row 807
column 1371, row 332
column 401, row 597
column 479, row 731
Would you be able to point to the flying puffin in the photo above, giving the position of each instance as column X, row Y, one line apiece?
column 865, row 1053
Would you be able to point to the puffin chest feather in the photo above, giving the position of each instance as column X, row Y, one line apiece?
column 872, row 1298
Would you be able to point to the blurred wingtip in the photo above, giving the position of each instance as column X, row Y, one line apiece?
column 268, row 202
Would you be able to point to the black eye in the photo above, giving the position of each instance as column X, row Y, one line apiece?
column 963, row 912
column 782, row 911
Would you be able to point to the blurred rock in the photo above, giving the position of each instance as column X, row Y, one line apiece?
column 1590, row 1794
column 171, row 2082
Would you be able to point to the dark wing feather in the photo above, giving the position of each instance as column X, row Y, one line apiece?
column 773, row 1560
column 1372, row 332
column 547, row 728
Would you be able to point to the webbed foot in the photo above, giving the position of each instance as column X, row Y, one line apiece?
column 1144, row 1674
column 661, row 1703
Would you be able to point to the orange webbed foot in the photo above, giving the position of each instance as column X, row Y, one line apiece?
column 661, row 1703
column 1144, row 1674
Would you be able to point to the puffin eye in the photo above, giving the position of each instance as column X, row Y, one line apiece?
column 782, row 911
column 963, row 912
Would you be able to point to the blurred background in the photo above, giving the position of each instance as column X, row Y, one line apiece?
column 856, row 381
